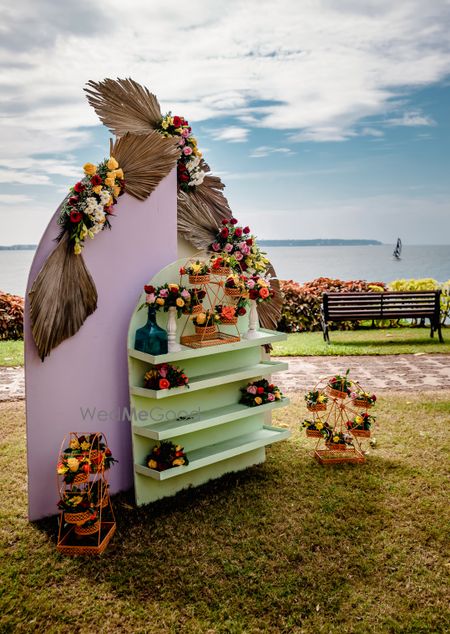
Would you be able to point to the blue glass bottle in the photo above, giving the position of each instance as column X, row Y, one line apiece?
column 151, row 338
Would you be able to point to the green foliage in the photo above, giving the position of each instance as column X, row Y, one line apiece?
column 11, row 316
column 426, row 284
column 11, row 353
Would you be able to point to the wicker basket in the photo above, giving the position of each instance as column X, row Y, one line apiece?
column 222, row 271
column 87, row 530
column 233, row 292
column 77, row 518
column 360, row 433
column 313, row 433
column 229, row 322
column 329, row 456
column 80, row 478
column 195, row 310
column 359, row 402
column 199, row 279
column 317, row 407
column 336, row 393
column 332, row 446
column 207, row 331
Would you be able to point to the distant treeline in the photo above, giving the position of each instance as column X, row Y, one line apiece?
column 19, row 247
column 317, row 243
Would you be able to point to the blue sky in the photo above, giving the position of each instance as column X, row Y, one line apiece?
column 324, row 118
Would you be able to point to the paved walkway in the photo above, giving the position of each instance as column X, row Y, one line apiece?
column 402, row 372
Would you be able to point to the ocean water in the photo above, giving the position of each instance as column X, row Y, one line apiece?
column 302, row 264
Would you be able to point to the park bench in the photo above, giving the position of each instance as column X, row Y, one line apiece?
column 387, row 305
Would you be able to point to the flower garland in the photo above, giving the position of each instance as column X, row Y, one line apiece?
column 166, row 455
column 259, row 393
column 87, row 209
column 165, row 376
column 189, row 171
column 237, row 243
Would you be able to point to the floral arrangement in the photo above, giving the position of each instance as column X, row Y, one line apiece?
column 318, row 425
column 168, row 295
column 89, row 205
column 226, row 313
column 361, row 421
column 340, row 383
column 195, row 268
column 240, row 246
column 316, row 397
column 189, row 170
column 363, row 398
column 259, row 393
column 88, row 450
column 338, row 438
column 207, row 318
column 165, row 376
column 237, row 283
column 75, row 502
column 259, row 288
column 74, row 468
column 166, row 455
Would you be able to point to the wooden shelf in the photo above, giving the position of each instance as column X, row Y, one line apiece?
column 264, row 337
column 213, row 379
column 221, row 451
column 207, row 419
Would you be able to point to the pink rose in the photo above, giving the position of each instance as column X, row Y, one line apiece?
column 181, row 142
column 216, row 246
column 251, row 389
column 185, row 133
column 250, row 284
column 150, row 298
column 163, row 371
column 164, row 292
column 238, row 256
column 187, row 151
column 185, row 294
column 228, row 247
column 270, row 397
column 245, row 250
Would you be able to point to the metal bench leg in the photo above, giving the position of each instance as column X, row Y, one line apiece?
column 441, row 338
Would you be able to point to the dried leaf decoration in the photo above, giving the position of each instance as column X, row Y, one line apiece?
column 62, row 297
column 124, row 106
column 269, row 313
column 145, row 160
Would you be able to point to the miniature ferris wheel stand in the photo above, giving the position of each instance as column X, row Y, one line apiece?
column 77, row 534
column 340, row 420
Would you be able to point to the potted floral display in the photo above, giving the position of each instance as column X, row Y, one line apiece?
column 197, row 271
column 206, row 323
column 363, row 399
column 227, row 314
column 316, row 401
column 195, row 306
column 316, row 428
column 360, row 425
column 259, row 288
column 338, row 440
column 259, row 393
column 339, row 386
column 90, row 526
column 74, row 468
column 240, row 247
column 76, row 506
column 220, row 265
column 164, row 377
column 168, row 297
column 235, row 286
column 166, row 455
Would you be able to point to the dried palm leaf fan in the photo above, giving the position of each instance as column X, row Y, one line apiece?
column 62, row 297
column 146, row 160
column 124, row 106
column 269, row 313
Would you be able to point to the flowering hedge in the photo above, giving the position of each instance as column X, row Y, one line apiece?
column 301, row 307
column 11, row 316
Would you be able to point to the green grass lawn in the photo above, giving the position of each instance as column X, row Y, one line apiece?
column 368, row 341
column 286, row 547
column 11, row 353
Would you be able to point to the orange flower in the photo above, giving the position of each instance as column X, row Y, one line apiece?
column 264, row 292
column 228, row 312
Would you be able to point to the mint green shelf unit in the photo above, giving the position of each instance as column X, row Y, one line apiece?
column 218, row 434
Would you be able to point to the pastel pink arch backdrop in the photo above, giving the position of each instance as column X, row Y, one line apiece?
column 90, row 369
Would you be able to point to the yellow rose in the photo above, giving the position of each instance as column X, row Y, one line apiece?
column 336, row 438
column 277, row 395
column 178, row 462
column 73, row 464
column 173, row 287
column 258, row 400
column 62, row 470
column 196, row 268
column 201, row 318
column 116, row 190
column 180, row 302
column 74, row 444
column 89, row 168
column 76, row 500
column 77, row 248
column 112, row 164
column 111, row 175
column 160, row 301
column 97, row 189
column 110, row 182
column 262, row 282
column 164, row 124
column 359, row 419
column 319, row 426
column 321, row 398
column 85, row 446
column 178, row 448
column 119, row 173
column 152, row 464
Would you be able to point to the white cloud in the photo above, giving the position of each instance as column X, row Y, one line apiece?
column 412, row 119
column 13, row 199
column 232, row 134
column 266, row 150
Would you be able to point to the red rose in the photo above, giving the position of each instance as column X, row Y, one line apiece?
column 201, row 294
column 260, row 390
column 176, row 122
column 96, row 180
column 233, row 221
column 224, row 233
column 184, row 177
column 79, row 187
column 86, row 468
column 149, row 289
column 249, row 242
column 108, row 452
column 246, row 229
column 163, row 384
column 271, row 386
column 253, row 294
column 225, row 221
column 75, row 216
column 238, row 232
column 241, row 311
column 73, row 200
